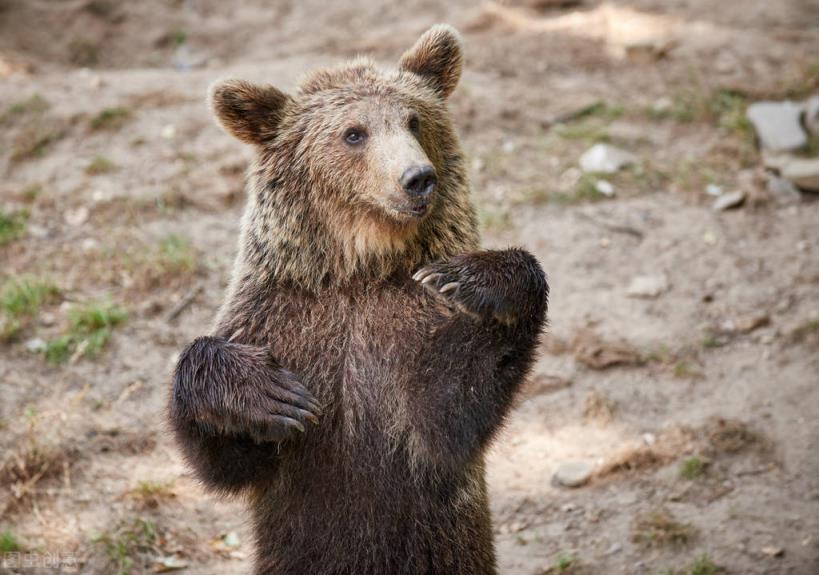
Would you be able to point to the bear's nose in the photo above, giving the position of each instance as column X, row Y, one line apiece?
column 419, row 181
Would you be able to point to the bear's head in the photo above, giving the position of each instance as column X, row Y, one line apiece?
column 359, row 172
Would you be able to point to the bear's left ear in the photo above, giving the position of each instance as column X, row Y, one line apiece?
column 250, row 112
column 436, row 57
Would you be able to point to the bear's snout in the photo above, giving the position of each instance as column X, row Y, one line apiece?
column 419, row 182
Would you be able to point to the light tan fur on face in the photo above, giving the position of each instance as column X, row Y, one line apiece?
column 307, row 183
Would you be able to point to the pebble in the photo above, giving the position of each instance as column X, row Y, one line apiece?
column 605, row 159
column 615, row 548
column 77, row 217
column 36, row 345
column 647, row 286
column 777, row 125
column 728, row 201
column 773, row 551
column 573, row 473
column 713, row 190
column 169, row 132
column 605, row 188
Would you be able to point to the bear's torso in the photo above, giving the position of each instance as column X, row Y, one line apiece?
column 362, row 488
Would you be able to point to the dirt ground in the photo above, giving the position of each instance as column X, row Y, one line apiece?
column 697, row 408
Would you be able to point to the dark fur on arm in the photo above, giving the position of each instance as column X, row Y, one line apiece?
column 488, row 348
column 232, row 407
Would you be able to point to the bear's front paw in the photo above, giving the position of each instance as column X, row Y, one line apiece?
column 501, row 285
column 461, row 287
column 270, row 405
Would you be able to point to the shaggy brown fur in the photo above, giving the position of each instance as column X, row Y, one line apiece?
column 350, row 401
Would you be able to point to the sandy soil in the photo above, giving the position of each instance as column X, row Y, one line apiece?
column 698, row 409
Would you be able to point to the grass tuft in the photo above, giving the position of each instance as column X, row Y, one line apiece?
column 90, row 330
column 660, row 529
column 12, row 225
column 693, row 468
column 100, row 165
column 110, row 119
column 9, row 543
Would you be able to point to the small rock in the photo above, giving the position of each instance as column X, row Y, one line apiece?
column 508, row 146
column 728, row 201
column 76, row 217
column 713, row 190
column 573, row 473
column 773, row 551
column 168, row 132
column 750, row 323
column 615, row 548
column 605, row 159
column 36, row 345
column 777, row 125
column 710, row 238
column 605, row 188
column 803, row 173
column 647, row 286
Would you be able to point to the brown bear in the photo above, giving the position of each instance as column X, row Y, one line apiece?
column 367, row 351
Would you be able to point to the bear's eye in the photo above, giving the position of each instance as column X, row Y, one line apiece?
column 414, row 124
column 355, row 136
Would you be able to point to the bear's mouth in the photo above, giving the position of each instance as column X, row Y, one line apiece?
column 420, row 210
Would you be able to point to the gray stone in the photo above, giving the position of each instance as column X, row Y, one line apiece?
column 573, row 473
column 728, row 201
column 803, row 173
column 605, row 159
column 777, row 125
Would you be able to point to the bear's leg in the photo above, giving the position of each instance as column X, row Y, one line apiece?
column 475, row 362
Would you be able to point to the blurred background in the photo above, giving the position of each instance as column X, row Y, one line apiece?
column 658, row 156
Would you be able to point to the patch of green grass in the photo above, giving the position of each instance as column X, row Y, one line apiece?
column 31, row 192
column 660, row 529
column 12, row 225
column 693, row 468
column 21, row 297
column 564, row 563
column 705, row 566
column 127, row 542
column 34, row 104
column 585, row 190
column 686, row 370
column 59, row 350
column 9, row 543
column 90, row 330
column 110, row 119
column 728, row 109
column 100, row 165
column 585, row 130
column 179, row 37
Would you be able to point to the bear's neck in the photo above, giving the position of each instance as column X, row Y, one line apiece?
column 289, row 239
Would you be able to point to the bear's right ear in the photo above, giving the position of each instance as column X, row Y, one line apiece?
column 250, row 112
column 437, row 57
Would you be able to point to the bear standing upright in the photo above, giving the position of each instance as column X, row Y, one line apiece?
column 367, row 350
